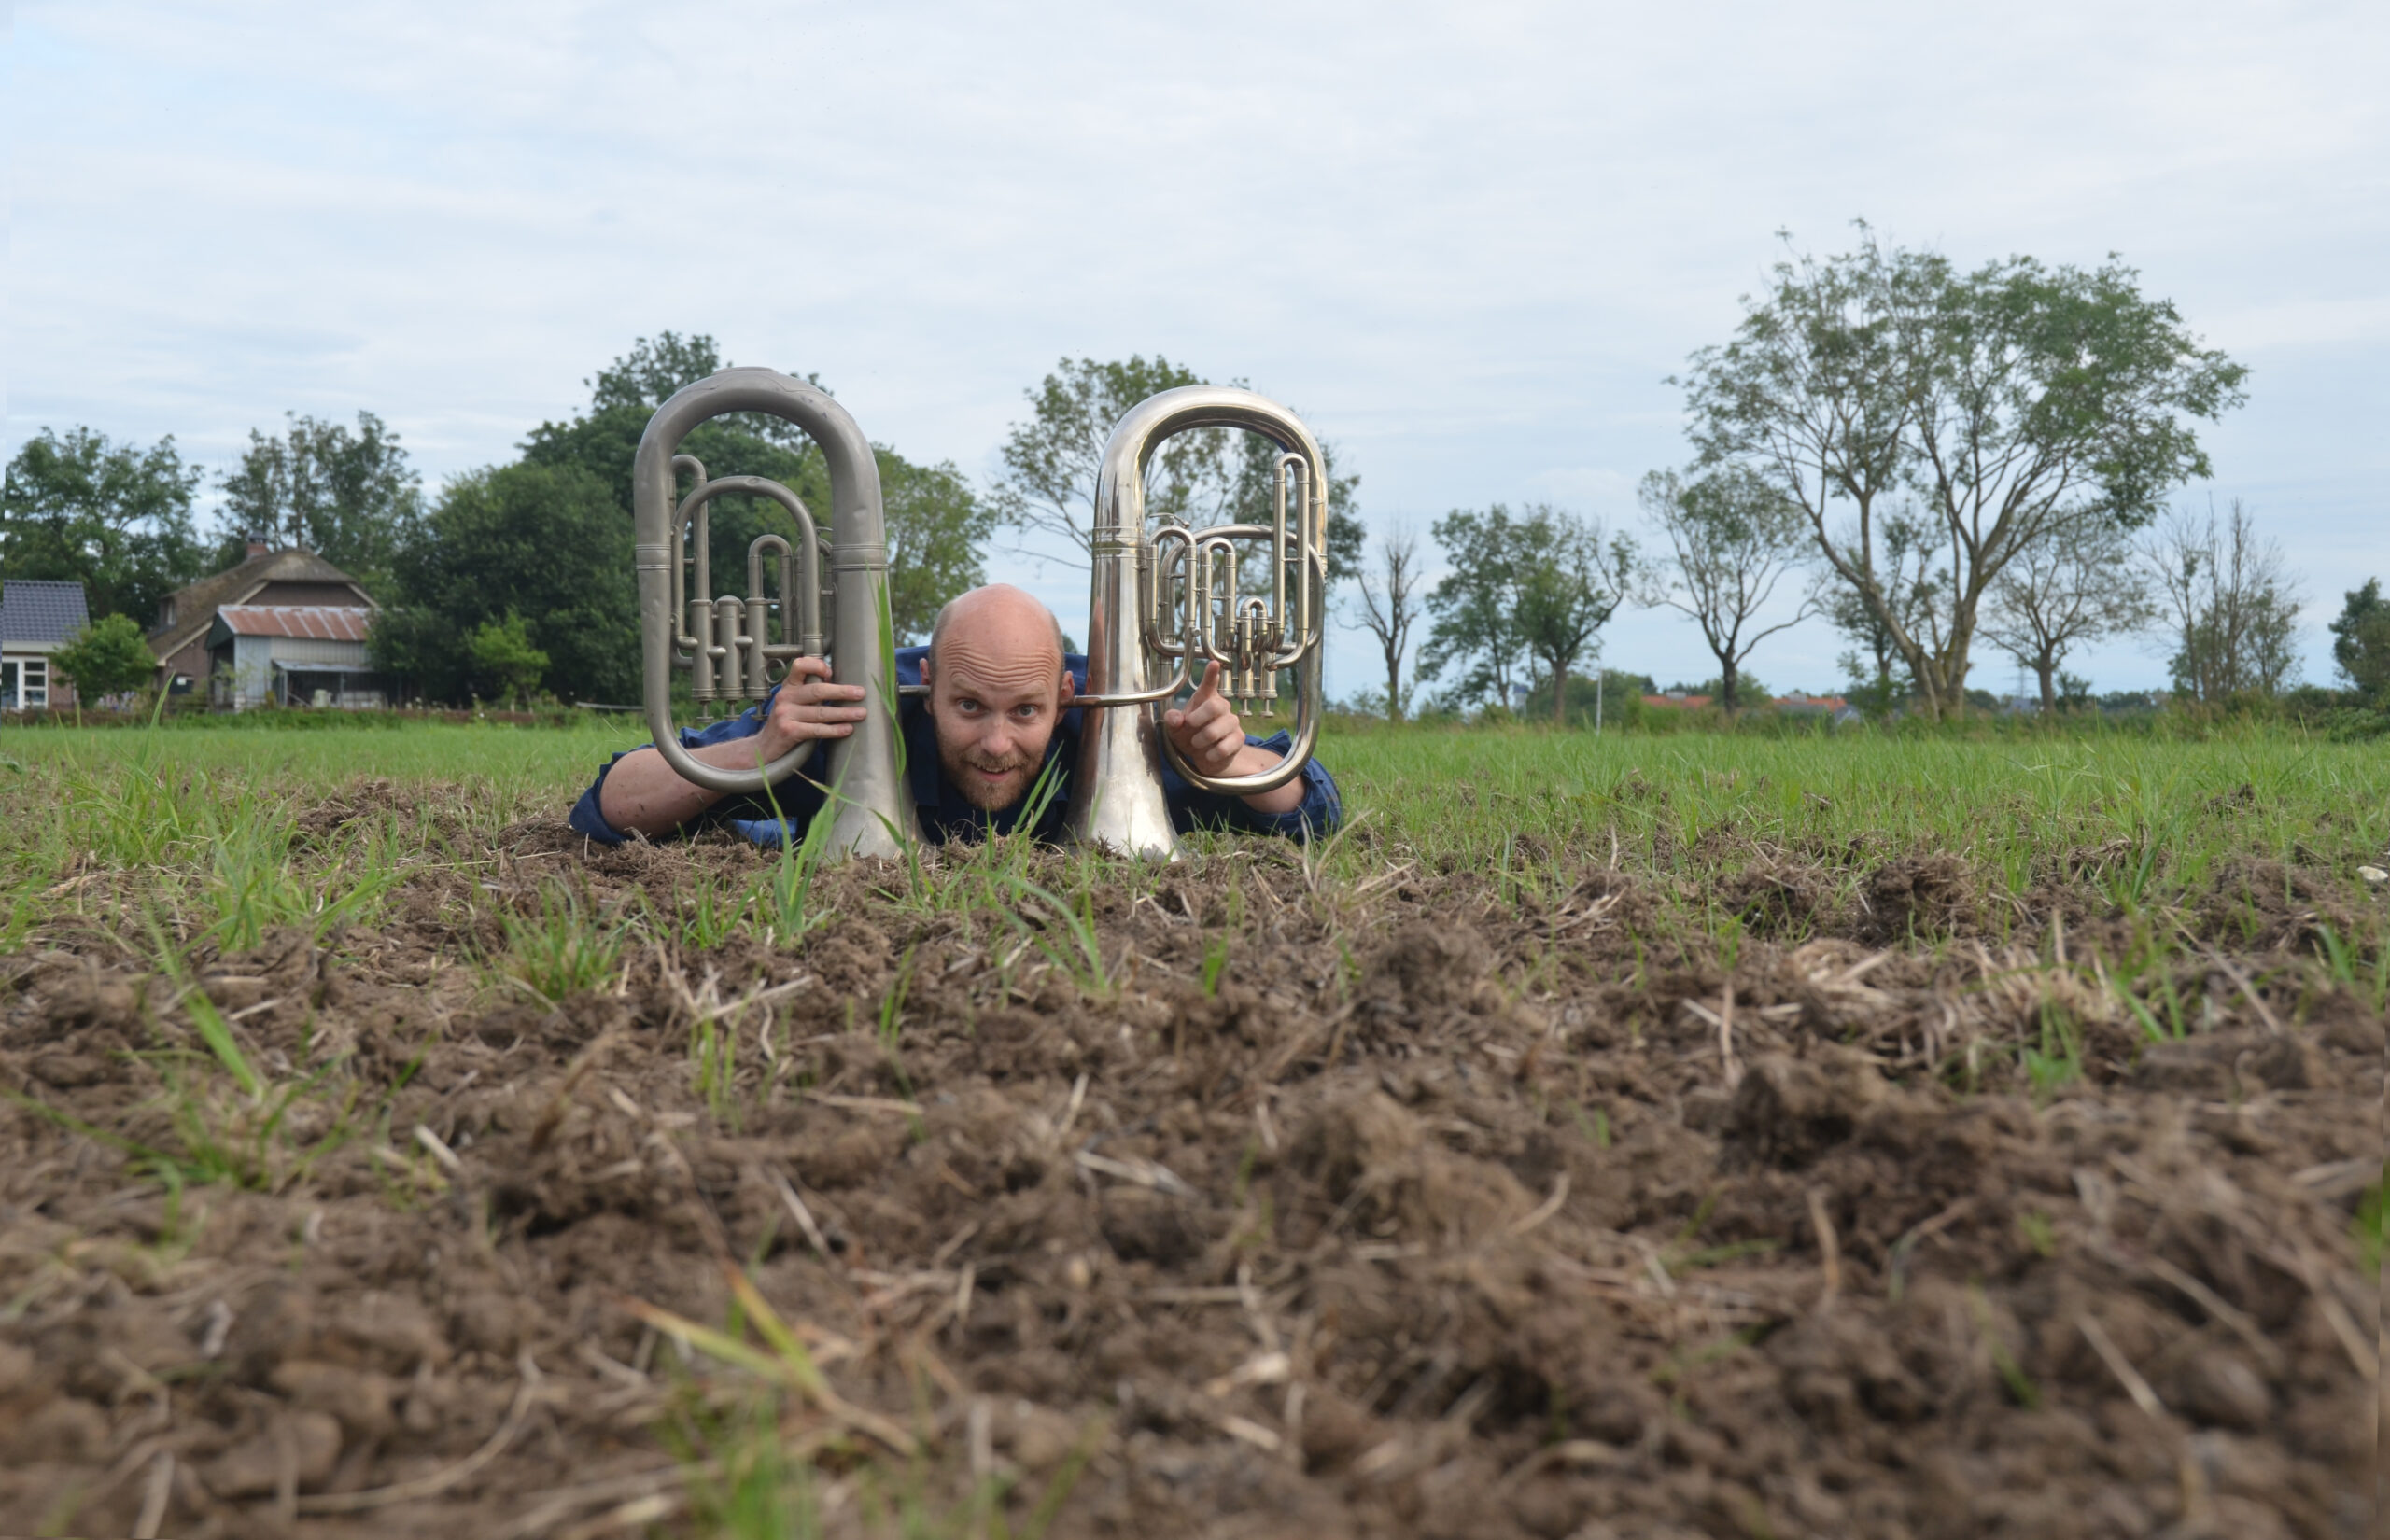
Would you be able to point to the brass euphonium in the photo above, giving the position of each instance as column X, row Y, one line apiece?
column 1171, row 599
column 724, row 640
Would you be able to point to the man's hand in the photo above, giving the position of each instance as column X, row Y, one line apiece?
column 1208, row 735
column 1205, row 730
column 807, row 706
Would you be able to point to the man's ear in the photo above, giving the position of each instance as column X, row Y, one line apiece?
column 1070, row 689
column 925, row 681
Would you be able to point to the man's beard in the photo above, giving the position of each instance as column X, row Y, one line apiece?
column 969, row 770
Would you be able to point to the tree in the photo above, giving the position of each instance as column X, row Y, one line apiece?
column 603, row 441
column 1732, row 537
column 115, row 518
column 1051, row 461
column 2009, row 400
column 1537, row 586
column 351, row 498
column 1200, row 477
column 544, row 542
column 1475, row 605
column 1253, row 499
column 1911, row 585
column 1390, row 608
column 2076, row 584
column 106, row 657
column 654, row 369
column 2361, row 642
column 938, row 533
column 1573, row 577
column 604, row 438
column 2229, row 606
column 938, row 526
column 505, row 665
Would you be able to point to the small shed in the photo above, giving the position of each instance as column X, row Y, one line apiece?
column 37, row 616
column 187, row 617
column 284, row 628
column 292, row 655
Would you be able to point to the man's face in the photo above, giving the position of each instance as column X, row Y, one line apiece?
column 994, row 708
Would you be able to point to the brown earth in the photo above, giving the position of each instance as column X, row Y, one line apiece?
column 1443, row 1211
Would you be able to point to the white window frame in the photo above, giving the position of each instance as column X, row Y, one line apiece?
column 33, row 682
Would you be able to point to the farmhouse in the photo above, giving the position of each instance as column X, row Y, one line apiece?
column 282, row 628
column 36, row 618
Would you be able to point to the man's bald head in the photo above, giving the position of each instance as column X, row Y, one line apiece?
column 997, row 690
column 996, row 617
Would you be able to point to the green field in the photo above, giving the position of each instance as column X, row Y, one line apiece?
column 204, row 812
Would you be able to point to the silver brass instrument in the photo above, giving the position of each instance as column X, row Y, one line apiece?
column 1171, row 599
column 725, row 641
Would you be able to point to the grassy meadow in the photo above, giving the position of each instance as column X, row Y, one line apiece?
column 209, row 819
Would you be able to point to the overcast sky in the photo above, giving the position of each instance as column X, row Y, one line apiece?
column 1469, row 243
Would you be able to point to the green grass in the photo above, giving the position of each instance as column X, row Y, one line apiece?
column 1462, row 796
column 559, row 951
column 201, row 826
column 1450, row 793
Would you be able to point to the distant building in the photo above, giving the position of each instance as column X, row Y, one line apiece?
column 282, row 628
column 36, row 618
column 1834, row 708
column 1677, row 700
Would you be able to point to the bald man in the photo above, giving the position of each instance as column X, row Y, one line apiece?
column 998, row 716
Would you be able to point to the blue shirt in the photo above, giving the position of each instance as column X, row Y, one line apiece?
column 945, row 812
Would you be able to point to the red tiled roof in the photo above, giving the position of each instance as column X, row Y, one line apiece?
column 1689, row 702
column 317, row 621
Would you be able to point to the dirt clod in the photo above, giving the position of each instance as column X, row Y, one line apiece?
column 299, row 1448
column 1786, row 1110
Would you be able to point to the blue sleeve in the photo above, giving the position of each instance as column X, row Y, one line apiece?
column 1320, row 812
column 587, row 820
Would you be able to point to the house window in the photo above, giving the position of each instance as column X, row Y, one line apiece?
column 25, row 683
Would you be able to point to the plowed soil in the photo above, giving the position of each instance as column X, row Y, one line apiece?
column 1417, row 1206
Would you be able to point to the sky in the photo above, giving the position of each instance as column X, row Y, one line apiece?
column 1469, row 243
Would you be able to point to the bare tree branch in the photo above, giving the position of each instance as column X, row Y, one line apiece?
column 1390, row 606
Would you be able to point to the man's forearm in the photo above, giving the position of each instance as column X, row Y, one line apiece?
column 1251, row 760
column 645, row 795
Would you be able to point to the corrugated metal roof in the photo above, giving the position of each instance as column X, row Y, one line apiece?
column 195, row 605
column 38, row 609
column 320, row 623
